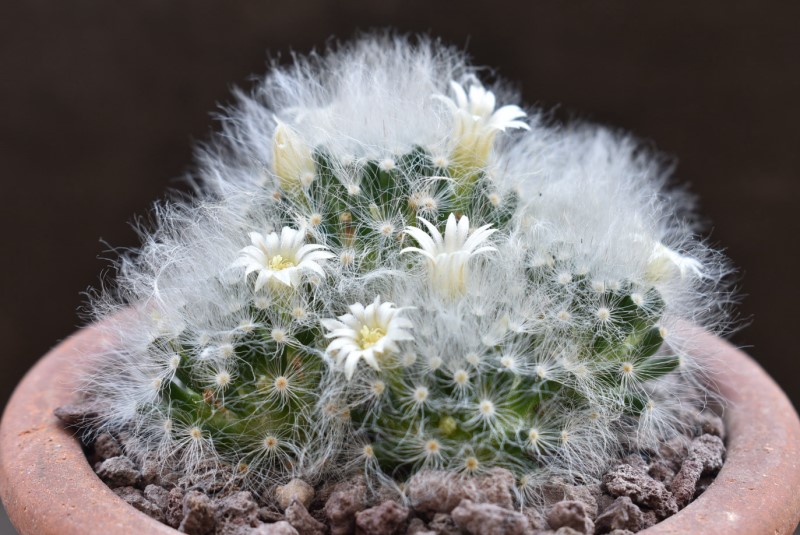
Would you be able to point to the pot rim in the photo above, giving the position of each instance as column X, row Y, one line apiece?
column 757, row 490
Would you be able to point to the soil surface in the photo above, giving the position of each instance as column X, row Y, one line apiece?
column 636, row 492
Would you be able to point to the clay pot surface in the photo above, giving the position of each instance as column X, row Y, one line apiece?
column 46, row 483
column 48, row 487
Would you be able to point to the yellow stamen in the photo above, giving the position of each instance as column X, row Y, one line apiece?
column 370, row 337
column 277, row 263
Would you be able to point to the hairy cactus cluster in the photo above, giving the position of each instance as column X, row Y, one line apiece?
column 385, row 270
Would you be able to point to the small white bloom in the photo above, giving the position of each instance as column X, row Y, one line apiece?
column 291, row 159
column 477, row 123
column 665, row 262
column 448, row 255
column 367, row 332
column 281, row 258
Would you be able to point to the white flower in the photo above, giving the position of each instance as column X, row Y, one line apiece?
column 664, row 263
column 477, row 123
column 367, row 332
column 291, row 159
column 281, row 258
column 448, row 256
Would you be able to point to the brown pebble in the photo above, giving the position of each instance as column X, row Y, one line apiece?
column 347, row 499
column 496, row 487
column 78, row 414
column 296, row 489
column 157, row 495
column 118, row 472
column 106, row 446
column 625, row 480
column 555, row 491
column 623, row 514
column 571, row 514
column 198, row 514
column 388, row 518
column 488, row 519
column 151, row 472
column 174, row 510
column 709, row 451
column 685, row 481
column 236, row 509
column 135, row 498
column 711, row 424
column 301, row 520
column 432, row 492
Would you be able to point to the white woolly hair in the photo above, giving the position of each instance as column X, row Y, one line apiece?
column 583, row 220
column 367, row 99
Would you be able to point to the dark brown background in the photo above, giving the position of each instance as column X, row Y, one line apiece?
column 100, row 102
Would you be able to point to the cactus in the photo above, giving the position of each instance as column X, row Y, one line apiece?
column 387, row 272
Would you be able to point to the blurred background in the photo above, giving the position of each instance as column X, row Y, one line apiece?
column 100, row 103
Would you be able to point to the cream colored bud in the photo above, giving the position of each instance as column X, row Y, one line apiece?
column 665, row 264
column 291, row 159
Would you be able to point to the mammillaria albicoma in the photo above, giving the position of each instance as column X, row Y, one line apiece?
column 391, row 267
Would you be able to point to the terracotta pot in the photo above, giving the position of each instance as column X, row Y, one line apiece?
column 48, row 486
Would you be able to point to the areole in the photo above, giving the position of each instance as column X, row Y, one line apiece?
column 48, row 487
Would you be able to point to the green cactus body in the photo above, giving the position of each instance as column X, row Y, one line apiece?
column 422, row 288
column 268, row 412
